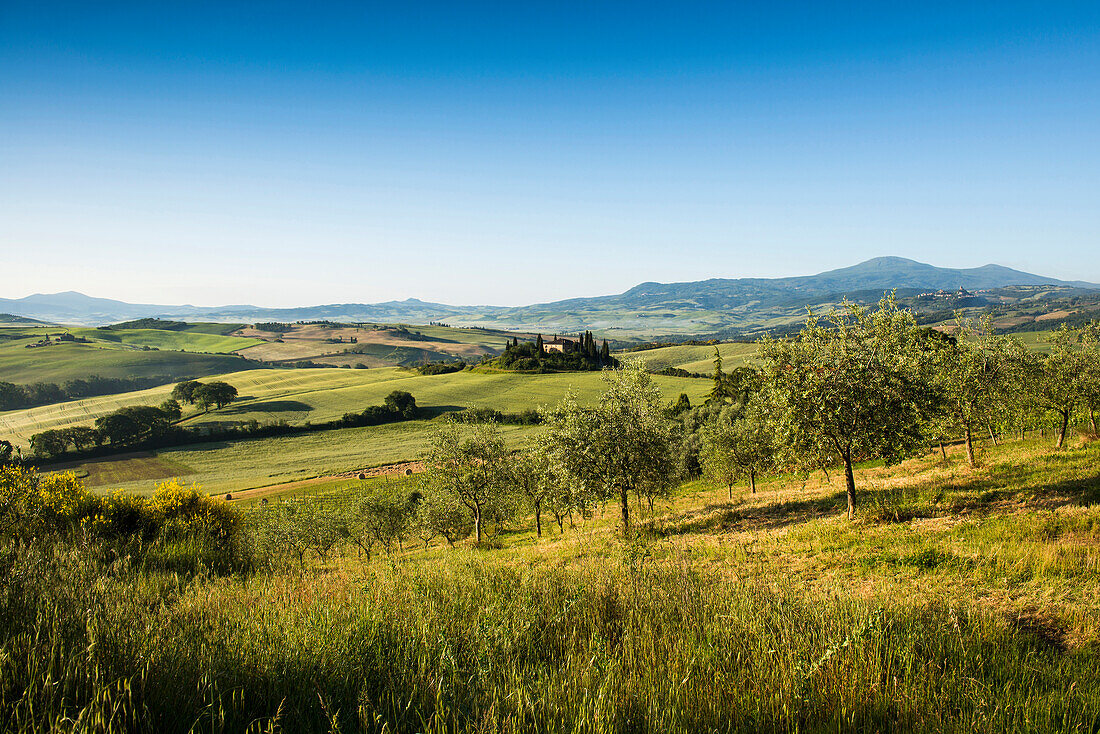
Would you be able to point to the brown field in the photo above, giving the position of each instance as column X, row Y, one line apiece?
column 310, row 341
column 127, row 468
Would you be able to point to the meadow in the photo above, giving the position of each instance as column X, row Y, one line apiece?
column 961, row 600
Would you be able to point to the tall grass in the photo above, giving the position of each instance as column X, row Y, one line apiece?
column 466, row 642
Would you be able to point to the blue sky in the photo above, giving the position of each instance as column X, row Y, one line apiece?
column 507, row 153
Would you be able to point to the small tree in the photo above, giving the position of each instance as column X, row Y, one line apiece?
column 49, row 443
column 81, row 437
column 171, row 409
column 402, row 403
column 854, row 384
column 1058, row 382
column 218, row 394
column 624, row 445
column 185, row 391
column 441, row 514
column 469, row 463
column 530, row 474
column 973, row 375
column 739, row 448
column 386, row 515
column 1090, row 342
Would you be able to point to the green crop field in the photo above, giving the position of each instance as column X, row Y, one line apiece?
column 64, row 361
column 693, row 358
column 202, row 327
column 319, row 395
column 180, row 341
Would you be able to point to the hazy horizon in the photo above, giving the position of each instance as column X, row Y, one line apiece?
column 513, row 154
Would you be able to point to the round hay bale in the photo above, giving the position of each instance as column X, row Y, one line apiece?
column 362, row 475
column 408, row 472
column 228, row 496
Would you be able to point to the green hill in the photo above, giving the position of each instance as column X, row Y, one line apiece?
column 318, row 395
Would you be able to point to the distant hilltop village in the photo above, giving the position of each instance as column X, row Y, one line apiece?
column 941, row 293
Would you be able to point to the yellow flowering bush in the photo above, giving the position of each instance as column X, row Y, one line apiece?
column 34, row 505
column 177, row 507
column 62, row 495
column 19, row 500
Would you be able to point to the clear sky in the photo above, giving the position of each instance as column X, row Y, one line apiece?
column 507, row 153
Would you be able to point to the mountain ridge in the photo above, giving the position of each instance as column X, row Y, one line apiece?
column 735, row 298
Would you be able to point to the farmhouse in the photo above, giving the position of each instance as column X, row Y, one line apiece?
column 557, row 344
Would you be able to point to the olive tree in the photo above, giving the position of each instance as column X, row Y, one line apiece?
column 853, row 383
column 440, row 514
column 1090, row 341
column 974, row 376
column 739, row 448
column 623, row 445
column 469, row 463
column 531, row 476
column 1059, row 381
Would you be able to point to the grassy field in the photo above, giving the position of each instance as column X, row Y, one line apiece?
column 324, row 394
column 180, row 341
column 960, row 600
column 234, row 466
column 64, row 361
column 693, row 358
column 376, row 345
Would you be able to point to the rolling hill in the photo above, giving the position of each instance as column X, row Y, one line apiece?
column 700, row 307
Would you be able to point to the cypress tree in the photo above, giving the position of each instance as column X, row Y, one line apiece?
column 605, row 353
column 538, row 345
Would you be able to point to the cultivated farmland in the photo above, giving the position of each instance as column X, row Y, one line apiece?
column 699, row 359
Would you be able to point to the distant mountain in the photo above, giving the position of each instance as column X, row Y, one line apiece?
column 878, row 274
column 706, row 306
column 13, row 320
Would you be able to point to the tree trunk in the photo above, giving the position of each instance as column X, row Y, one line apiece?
column 624, row 499
column 1092, row 420
column 993, row 436
column 477, row 523
column 752, row 480
column 850, row 481
column 943, row 450
column 1062, row 430
column 538, row 521
column 729, row 490
column 969, row 446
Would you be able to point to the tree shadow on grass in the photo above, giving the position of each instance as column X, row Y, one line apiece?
column 727, row 516
column 1041, row 483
